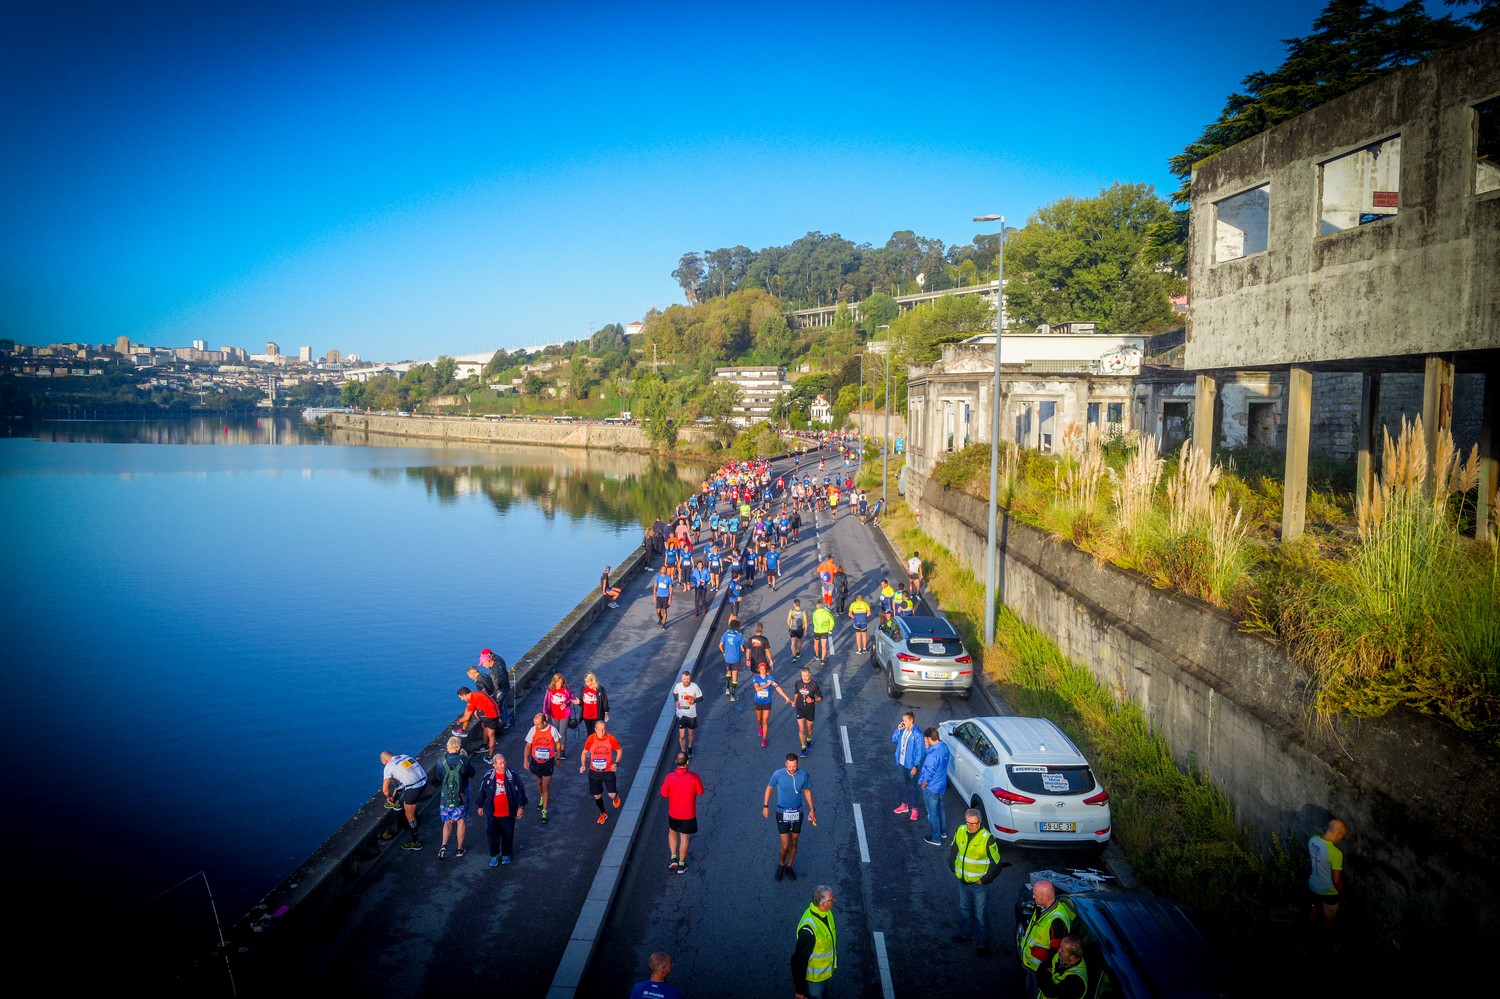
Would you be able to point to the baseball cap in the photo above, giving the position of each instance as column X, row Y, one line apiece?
column 486, row 654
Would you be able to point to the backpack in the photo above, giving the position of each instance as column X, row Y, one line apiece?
column 453, row 782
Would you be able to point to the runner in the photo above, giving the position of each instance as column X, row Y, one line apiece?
column 791, row 789
column 612, row 592
column 914, row 575
column 773, row 565
column 826, row 570
column 715, row 565
column 686, row 695
column 796, row 627
column 822, row 627
column 806, row 695
column 859, row 613
column 762, row 682
column 557, row 702
column 736, row 589
column 541, row 756
column 601, row 756
column 593, row 702
column 699, row 578
column 682, row 788
column 477, row 702
column 887, row 597
column 732, row 646
column 661, row 585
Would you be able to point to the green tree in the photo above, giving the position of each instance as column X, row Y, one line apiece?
column 876, row 311
column 1353, row 42
column 352, row 394
column 659, row 408
column 1093, row 260
column 533, row 385
column 716, row 404
column 578, row 377
column 689, row 274
column 774, row 341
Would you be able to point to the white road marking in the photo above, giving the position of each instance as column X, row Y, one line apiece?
column 883, row 961
column 859, row 828
column 844, row 734
column 838, row 695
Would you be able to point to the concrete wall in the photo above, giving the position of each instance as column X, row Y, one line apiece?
column 1422, row 281
column 1421, row 799
column 470, row 430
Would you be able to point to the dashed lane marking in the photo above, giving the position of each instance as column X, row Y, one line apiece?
column 844, row 734
column 859, row 829
column 883, row 961
column 838, row 695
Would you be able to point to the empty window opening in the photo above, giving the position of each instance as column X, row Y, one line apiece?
column 1261, row 431
column 1487, row 146
column 1360, row 187
column 1174, row 425
column 1242, row 223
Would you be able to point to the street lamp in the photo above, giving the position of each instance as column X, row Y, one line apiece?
column 885, row 450
column 991, row 554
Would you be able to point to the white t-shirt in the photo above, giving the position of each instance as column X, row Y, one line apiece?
column 687, row 696
column 406, row 771
column 913, row 566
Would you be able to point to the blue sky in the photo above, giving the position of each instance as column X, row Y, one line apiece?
column 400, row 180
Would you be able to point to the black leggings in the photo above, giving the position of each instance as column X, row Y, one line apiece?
column 500, row 830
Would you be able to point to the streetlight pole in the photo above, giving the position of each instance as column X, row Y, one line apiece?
column 885, row 450
column 991, row 554
column 859, row 407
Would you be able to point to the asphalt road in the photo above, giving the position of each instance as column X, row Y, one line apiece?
column 728, row 924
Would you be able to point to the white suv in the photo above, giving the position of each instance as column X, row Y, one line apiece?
column 1028, row 779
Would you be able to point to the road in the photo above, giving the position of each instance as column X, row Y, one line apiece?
column 728, row 924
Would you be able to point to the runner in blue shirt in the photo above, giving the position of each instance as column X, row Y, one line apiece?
column 715, row 563
column 734, row 594
column 699, row 579
column 732, row 645
column 661, row 585
column 790, row 787
column 773, row 565
column 761, row 683
column 747, row 567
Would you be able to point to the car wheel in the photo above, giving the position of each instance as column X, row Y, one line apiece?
column 964, row 694
column 891, row 689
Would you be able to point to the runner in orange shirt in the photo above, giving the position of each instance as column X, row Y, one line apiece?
column 601, row 758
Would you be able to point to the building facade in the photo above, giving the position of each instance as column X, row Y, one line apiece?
column 759, row 386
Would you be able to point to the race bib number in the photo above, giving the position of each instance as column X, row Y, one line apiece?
column 791, row 815
column 542, row 754
column 599, row 763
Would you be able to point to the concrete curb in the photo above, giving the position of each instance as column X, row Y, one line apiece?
column 584, row 939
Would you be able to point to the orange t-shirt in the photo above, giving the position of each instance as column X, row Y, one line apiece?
column 599, row 753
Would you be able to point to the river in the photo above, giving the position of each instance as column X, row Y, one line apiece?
column 214, row 630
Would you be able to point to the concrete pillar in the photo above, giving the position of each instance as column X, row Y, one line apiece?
column 1298, row 433
column 1204, row 400
column 1489, row 463
column 1369, row 437
column 1437, row 400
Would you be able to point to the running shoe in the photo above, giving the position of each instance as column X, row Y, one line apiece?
column 544, row 816
column 914, row 815
column 412, row 844
column 460, row 853
column 791, row 875
column 780, row 871
column 494, row 861
column 673, row 865
column 615, row 800
column 804, row 751
column 930, row 841
column 504, row 860
column 901, row 809
column 442, row 853
column 602, row 819
column 763, row 744
column 682, row 867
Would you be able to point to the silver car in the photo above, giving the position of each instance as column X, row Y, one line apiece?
column 923, row 653
column 1028, row 779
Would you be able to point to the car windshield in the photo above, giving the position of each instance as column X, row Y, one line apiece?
column 930, row 627
column 1053, row 779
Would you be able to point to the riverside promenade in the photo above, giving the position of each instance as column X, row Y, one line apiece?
column 362, row 916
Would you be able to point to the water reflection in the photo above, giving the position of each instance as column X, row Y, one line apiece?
column 187, row 430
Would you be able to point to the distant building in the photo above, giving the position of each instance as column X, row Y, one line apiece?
column 634, row 328
column 821, row 411
column 304, row 354
column 760, row 386
column 122, row 346
column 333, row 356
column 273, row 349
column 200, row 345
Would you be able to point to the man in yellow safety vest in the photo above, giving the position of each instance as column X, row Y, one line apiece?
column 974, row 856
column 816, row 955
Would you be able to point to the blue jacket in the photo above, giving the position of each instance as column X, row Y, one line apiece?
column 935, row 769
column 914, row 747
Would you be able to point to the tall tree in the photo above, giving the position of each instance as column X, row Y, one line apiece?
column 1093, row 260
column 689, row 274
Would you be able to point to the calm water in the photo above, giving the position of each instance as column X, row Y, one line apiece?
column 211, row 636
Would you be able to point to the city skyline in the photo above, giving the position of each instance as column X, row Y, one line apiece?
column 461, row 179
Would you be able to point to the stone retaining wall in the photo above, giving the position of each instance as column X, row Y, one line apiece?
column 477, row 430
column 1421, row 799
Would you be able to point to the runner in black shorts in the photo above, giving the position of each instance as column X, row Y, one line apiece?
column 805, row 697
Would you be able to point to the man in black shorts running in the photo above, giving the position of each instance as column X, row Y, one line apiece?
column 806, row 694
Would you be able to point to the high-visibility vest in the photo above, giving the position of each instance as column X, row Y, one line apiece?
column 1037, row 934
column 969, row 865
column 1079, row 970
column 824, row 956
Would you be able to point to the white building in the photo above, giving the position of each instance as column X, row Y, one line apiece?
column 821, row 410
column 760, row 386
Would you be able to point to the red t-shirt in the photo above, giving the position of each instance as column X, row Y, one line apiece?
column 502, row 800
column 481, row 702
column 681, row 789
column 599, row 753
column 590, row 698
column 559, row 703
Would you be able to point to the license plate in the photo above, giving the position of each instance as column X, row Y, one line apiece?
column 938, row 648
column 939, row 674
column 1059, row 826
